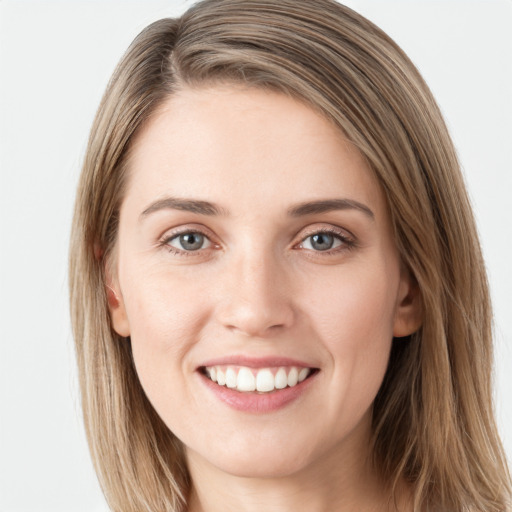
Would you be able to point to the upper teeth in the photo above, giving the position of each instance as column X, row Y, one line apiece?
column 262, row 380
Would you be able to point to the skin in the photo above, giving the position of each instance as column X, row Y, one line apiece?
column 258, row 287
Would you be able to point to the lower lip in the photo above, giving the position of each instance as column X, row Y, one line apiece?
column 255, row 402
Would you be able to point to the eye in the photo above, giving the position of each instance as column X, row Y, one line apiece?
column 321, row 242
column 189, row 241
column 326, row 241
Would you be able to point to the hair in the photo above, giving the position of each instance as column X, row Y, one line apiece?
column 433, row 422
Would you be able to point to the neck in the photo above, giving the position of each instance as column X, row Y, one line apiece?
column 342, row 480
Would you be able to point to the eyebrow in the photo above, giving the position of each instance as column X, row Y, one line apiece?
column 302, row 209
column 187, row 205
column 329, row 205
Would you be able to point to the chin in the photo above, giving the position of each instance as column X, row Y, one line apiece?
column 259, row 460
column 274, row 467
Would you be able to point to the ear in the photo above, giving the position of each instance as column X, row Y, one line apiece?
column 409, row 310
column 116, row 306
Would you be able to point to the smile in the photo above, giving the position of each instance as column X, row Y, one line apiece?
column 261, row 380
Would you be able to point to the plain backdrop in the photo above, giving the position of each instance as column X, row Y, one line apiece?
column 55, row 60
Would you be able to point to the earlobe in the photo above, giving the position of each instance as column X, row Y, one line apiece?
column 409, row 310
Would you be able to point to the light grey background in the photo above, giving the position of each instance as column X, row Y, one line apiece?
column 55, row 60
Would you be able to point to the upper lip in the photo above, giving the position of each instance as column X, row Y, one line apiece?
column 255, row 362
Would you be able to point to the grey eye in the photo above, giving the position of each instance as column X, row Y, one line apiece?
column 190, row 241
column 321, row 242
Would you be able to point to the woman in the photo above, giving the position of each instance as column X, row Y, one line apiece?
column 277, row 290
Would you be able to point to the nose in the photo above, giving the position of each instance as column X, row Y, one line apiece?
column 256, row 297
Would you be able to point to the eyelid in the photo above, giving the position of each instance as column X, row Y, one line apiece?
column 173, row 233
column 347, row 239
column 179, row 235
column 326, row 228
column 185, row 228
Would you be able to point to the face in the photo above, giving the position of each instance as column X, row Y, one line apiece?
column 256, row 274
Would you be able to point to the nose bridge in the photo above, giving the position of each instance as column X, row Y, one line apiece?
column 256, row 299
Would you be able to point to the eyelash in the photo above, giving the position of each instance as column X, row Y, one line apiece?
column 347, row 242
column 164, row 242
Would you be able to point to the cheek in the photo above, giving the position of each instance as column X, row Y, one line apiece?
column 354, row 320
column 165, row 305
column 355, row 309
column 166, row 317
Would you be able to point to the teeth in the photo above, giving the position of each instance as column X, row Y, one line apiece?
column 281, row 379
column 221, row 377
column 263, row 380
column 293, row 377
column 230, row 378
column 245, row 381
column 303, row 374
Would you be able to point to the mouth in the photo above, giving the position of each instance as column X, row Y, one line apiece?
column 266, row 380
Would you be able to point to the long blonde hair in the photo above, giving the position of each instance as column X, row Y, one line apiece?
column 433, row 423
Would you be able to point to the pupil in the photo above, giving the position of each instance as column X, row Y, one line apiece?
column 322, row 241
column 191, row 241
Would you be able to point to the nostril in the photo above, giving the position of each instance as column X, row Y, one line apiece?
column 256, row 320
column 255, row 331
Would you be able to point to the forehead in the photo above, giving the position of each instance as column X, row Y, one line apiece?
column 245, row 147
